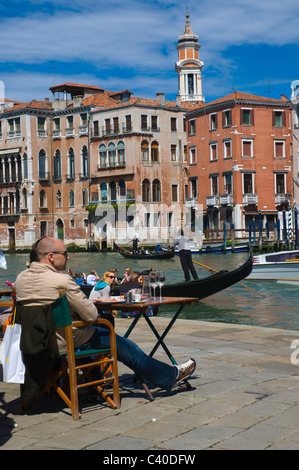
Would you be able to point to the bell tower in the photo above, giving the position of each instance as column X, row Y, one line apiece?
column 189, row 66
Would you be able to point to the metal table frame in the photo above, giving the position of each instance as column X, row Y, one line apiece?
column 141, row 307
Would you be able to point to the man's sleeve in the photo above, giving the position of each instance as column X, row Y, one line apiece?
column 79, row 303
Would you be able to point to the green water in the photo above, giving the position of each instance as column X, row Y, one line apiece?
column 277, row 306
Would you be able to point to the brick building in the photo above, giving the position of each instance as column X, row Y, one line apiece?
column 240, row 160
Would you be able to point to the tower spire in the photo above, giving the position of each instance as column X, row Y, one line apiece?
column 188, row 65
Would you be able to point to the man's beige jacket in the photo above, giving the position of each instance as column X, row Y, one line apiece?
column 41, row 284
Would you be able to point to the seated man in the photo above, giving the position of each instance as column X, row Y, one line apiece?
column 46, row 275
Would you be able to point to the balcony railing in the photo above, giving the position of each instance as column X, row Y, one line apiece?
column 44, row 176
column 282, row 198
column 14, row 134
column 57, row 134
column 226, row 199
column 83, row 130
column 41, row 133
column 212, row 200
column 111, row 165
column 69, row 132
column 250, row 199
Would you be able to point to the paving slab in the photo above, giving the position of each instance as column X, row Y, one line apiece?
column 245, row 395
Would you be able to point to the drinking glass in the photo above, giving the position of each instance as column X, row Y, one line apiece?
column 153, row 281
column 160, row 281
column 146, row 287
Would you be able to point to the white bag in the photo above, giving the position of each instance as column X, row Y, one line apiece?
column 11, row 355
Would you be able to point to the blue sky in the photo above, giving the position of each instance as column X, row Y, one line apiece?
column 251, row 47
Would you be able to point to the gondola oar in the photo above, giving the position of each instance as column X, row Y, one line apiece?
column 243, row 285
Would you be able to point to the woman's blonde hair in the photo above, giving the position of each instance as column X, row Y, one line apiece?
column 106, row 274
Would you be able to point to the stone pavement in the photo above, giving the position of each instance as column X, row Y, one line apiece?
column 245, row 396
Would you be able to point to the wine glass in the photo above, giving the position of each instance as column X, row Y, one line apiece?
column 160, row 281
column 153, row 281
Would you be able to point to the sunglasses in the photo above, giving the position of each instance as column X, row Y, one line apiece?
column 112, row 277
column 64, row 253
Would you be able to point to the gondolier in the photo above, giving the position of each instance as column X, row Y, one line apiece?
column 185, row 256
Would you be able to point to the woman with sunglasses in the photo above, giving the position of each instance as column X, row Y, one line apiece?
column 102, row 289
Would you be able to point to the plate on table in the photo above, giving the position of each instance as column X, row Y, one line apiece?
column 111, row 299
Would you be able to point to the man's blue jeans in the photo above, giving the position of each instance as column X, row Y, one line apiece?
column 158, row 373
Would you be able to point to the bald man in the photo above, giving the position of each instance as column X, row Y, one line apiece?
column 42, row 283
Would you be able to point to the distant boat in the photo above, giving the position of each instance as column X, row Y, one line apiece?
column 163, row 253
column 280, row 266
column 228, row 248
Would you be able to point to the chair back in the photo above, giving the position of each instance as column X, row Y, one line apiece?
column 61, row 312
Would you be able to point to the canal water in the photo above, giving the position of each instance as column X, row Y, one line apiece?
column 269, row 304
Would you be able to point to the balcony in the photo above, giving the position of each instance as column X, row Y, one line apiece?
column 69, row 132
column 57, row 134
column 44, row 176
column 70, row 176
column 250, row 199
column 212, row 200
column 41, row 133
column 226, row 199
column 83, row 130
column 14, row 134
column 111, row 165
column 282, row 198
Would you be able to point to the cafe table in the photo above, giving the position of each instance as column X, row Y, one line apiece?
column 108, row 305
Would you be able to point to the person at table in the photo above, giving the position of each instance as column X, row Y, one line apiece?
column 134, row 282
column 102, row 289
column 46, row 274
column 126, row 276
column 80, row 278
column 185, row 255
column 92, row 278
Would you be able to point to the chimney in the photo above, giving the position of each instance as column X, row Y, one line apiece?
column 161, row 98
column 283, row 98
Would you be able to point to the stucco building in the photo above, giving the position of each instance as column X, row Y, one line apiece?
column 240, row 160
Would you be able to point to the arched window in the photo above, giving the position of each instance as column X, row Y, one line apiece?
column 24, row 199
column 25, row 166
column 71, row 163
column 112, row 187
column 122, row 188
column 84, row 157
column 112, row 154
column 58, row 199
column 42, row 164
column 42, row 199
column 156, row 191
column 144, row 151
column 103, row 189
column 57, row 165
column 85, row 197
column 71, row 198
column 146, row 191
column 102, row 156
column 121, row 153
column 155, row 151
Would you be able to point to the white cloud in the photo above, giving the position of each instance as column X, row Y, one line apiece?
column 132, row 44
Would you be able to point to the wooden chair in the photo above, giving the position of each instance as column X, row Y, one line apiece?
column 74, row 361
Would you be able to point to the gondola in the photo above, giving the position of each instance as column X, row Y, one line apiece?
column 205, row 286
column 162, row 254
column 209, row 285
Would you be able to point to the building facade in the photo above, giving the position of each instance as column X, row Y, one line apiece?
column 240, row 161
column 295, row 112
